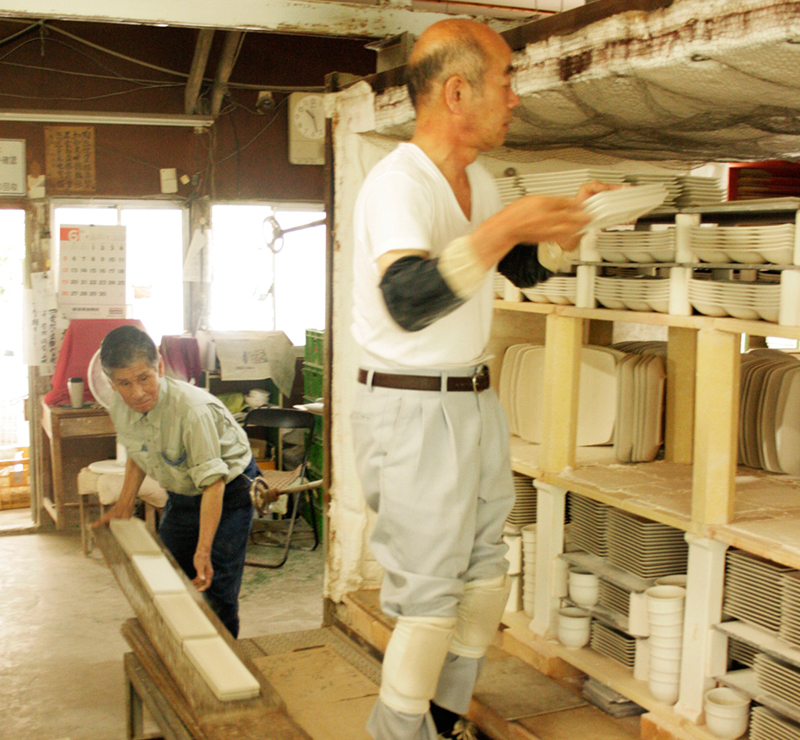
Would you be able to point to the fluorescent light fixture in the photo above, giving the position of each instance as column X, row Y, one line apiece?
column 125, row 119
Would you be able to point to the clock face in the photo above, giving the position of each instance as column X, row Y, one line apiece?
column 309, row 116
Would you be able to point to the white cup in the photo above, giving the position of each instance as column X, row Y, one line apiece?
column 665, row 599
column 727, row 712
column 584, row 587
column 75, row 386
column 663, row 686
column 573, row 627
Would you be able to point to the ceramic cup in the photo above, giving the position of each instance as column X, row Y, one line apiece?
column 663, row 686
column 665, row 599
column 666, row 630
column 727, row 712
column 667, row 620
column 75, row 387
column 584, row 587
column 573, row 626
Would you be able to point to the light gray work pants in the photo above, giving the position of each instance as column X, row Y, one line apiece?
column 435, row 468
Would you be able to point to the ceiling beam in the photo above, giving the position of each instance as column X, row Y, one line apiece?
column 227, row 59
column 370, row 18
column 203, row 46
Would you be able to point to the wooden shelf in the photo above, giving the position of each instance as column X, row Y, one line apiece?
column 607, row 671
column 608, row 572
column 747, row 682
column 762, row 639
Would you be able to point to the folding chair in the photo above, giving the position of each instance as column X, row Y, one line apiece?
column 271, row 484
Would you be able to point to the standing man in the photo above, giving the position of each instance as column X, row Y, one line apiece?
column 430, row 438
column 190, row 443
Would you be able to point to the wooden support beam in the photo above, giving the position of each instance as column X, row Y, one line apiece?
column 681, row 370
column 562, row 369
column 203, row 46
column 227, row 59
column 716, row 427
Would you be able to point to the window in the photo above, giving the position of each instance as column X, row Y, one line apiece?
column 253, row 288
column 155, row 258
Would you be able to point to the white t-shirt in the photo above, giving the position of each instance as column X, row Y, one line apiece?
column 406, row 203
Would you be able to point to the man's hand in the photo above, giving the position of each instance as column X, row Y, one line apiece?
column 117, row 511
column 205, row 573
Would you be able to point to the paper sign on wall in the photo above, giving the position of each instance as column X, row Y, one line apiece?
column 12, row 167
column 91, row 282
column 69, row 159
column 44, row 324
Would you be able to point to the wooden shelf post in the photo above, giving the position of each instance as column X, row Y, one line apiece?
column 550, row 568
column 681, row 370
column 705, row 650
column 562, row 370
column 716, row 427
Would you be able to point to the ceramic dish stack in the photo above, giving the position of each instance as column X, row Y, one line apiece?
column 741, row 653
column 744, row 244
column 510, row 189
column 753, row 589
column 561, row 289
column 742, row 300
column 778, row 679
column 524, row 510
column 613, row 644
column 769, row 411
column 665, row 611
column 699, row 191
column 616, row 207
column 615, row 598
column 790, row 608
column 670, row 183
column 529, row 568
column 766, row 725
column 641, row 389
column 636, row 246
column 645, row 548
column 642, row 347
column 589, row 525
column 567, row 182
column 638, row 294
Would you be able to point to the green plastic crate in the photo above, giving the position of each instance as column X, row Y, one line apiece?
column 315, row 340
column 315, row 455
column 312, row 382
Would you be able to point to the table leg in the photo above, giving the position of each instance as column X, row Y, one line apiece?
column 134, row 709
column 58, row 481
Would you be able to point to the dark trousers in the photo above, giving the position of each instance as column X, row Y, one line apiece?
column 179, row 531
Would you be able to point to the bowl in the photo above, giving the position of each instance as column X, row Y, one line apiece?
column 573, row 627
column 668, row 619
column 665, row 599
column 727, row 727
column 666, row 630
column 584, row 587
column 665, row 665
column 725, row 702
column 666, row 653
column 663, row 687
column 671, row 643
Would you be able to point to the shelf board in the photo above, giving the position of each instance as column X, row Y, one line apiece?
column 762, row 639
column 747, row 682
column 605, row 670
column 608, row 572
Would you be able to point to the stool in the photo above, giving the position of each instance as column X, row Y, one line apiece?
column 106, row 490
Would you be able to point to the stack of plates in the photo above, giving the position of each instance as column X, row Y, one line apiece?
column 699, row 191
column 613, row 644
column 790, row 608
column 646, row 549
column 589, row 525
column 766, row 725
column 753, row 589
column 568, row 182
column 510, row 189
column 640, row 294
column 524, row 510
column 769, row 412
column 741, row 653
column 641, row 385
column 637, row 246
column 735, row 298
column 558, row 289
column 778, row 679
column 615, row 598
column 642, row 347
column 747, row 244
column 522, row 384
column 670, row 182
column 615, row 207
column 499, row 285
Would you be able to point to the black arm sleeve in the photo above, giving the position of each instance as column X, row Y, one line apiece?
column 416, row 294
column 521, row 266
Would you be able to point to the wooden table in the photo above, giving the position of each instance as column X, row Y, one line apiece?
column 77, row 437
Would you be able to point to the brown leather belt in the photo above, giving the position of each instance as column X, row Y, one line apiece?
column 476, row 383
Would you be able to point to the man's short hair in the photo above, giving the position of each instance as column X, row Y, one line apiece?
column 462, row 55
column 125, row 346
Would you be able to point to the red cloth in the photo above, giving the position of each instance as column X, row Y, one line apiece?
column 81, row 340
column 181, row 358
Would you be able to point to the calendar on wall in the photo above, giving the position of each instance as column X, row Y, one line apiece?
column 91, row 283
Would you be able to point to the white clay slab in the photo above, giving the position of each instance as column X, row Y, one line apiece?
column 134, row 537
column 224, row 673
column 158, row 575
column 184, row 616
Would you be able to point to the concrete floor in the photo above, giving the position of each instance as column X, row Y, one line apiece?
column 60, row 644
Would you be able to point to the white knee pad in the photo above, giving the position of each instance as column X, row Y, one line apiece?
column 413, row 661
column 479, row 615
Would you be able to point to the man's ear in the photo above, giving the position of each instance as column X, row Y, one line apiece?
column 454, row 89
column 161, row 368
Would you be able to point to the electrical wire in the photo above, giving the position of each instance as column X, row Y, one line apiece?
column 9, row 39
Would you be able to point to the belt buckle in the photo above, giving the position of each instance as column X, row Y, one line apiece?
column 480, row 375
